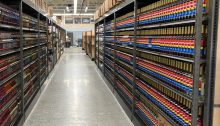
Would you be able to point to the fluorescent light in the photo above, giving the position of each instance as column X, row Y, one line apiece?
column 67, row 9
column 86, row 9
column 75, row 6
column 85, row 14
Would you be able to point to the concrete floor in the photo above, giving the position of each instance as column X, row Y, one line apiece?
column 77, row 96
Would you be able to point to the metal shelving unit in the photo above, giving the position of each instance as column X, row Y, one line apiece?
column 125, row 53
column 24, row 59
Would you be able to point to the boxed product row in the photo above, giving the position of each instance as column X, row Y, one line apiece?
column 41, row 4
column 105, row 7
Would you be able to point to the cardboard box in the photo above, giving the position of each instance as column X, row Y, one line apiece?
column 88, row 43
column 217, row 81
column 88, row 37
column 83, row 40
column 216, row 116
column 93, row 37
column 106, row 5
column 110, row 3
column 114, row 2
column 50, row 11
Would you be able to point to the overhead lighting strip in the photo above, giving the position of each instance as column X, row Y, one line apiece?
column 86, row 8
column 75, row 6
column 71, row 14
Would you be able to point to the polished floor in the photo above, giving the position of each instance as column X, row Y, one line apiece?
column 76, row 96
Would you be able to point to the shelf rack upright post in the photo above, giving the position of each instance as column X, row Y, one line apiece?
column 22, row 59
column 134, row 57
column 104, row 45
column 114, row 83
column 211, row 61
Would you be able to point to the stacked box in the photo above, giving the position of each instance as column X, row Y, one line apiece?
column 88, row 43
column 50, row 11
column 105, row 7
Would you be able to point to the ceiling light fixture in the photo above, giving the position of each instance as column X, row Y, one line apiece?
column 71, row 14
column 86, row 9
column 75, row 6
column 67, row 9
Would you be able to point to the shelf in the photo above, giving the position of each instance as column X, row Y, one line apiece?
column 9, row 78
column 167, row 56
column 16, row 119
column 110, row 31
column 32, row 62
column 128, row 85
column 141, row 115
column 179, row 22
column 29, row 47
column 124, row 97
column 9, row 103
column 10, row 52
column 166, row 36
column 182, row 94
column 173, row 123
column 7, row 93
column 125, row 29
column 31, row 97
column 42, row 69
column 120, row 6
column 42, row 31
column 43, row 80
column 126, row 47
column 9, row 27
column 27, row 84
column 29, row 29
column 42, row 56
column 109, row 56
column 106, row 64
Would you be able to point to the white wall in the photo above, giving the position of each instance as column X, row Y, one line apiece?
column 79, row 27
column 77, row 30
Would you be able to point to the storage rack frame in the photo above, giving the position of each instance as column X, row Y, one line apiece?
column 22, row 7
column 98, row 41
column 210, row 59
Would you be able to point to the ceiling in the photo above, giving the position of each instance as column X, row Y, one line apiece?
column 60, row 6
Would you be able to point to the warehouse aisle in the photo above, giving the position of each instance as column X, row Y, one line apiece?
column 76, row 96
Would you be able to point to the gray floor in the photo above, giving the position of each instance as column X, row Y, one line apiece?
column 76, row 96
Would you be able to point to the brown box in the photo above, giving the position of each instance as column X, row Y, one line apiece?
column 88, row 37
column 114, row 2
column 110, row 3
column 217, row 81
column 50, row 11
column 103, row 9
column 83, row 40
column 93, row 37
column 93, row 51
column 106, row 5
column 88, row 43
